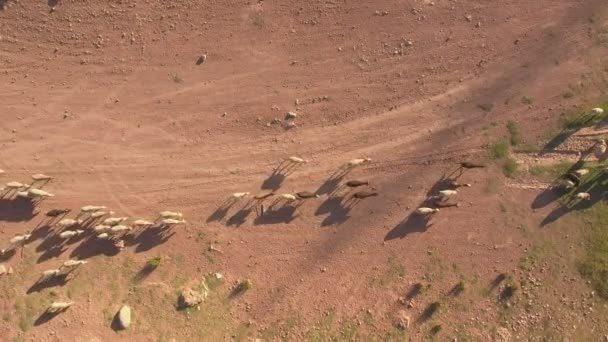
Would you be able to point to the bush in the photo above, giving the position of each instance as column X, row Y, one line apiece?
column 153, row 263
column 514, row 132
column 499, row 150
column 510, row 167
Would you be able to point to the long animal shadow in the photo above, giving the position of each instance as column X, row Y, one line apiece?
column 338, row 211
column 8, row 255
column 46, row 317
column 414, row 223
column 240, row 217
column 150, row 238
column 332, row 184
column 596, row 186
column 283, row 214
column 53, row 282
column 278, row 176
column 222, row 210
column 330, row 204
column 93, row 246
column 17, row 209
column 553, row 193
column 50, row 253
column 51, row 241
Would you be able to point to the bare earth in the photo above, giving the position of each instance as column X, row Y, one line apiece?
column 106, row 97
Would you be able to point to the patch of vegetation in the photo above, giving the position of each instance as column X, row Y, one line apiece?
column 527, row 100
column 257, row 19
column 395, row 271
column 325, row 330
column 279, row 329
column 568, row 94
column 509, row 168
column 200, row 236
column 244, row 286
column 529, row 261
column 514, row 133
column 435, row 329
column 498, row 150
column 459, row 288
column 549, row 171
column 594, row 265
column 213, row 281
column 528, row 148
column 153, row 263
column 486, row 107
column 177, row 78
column 580, row 119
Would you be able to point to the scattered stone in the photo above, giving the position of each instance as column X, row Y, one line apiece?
column 290, row 115
column 190, row 297
column 124, row 317
column 290, row 125
column 297, row 102
column 3, row 269
column 402, row 320
column 503, row 334
column 201, row 59
column 478, row 24
column 468, row 17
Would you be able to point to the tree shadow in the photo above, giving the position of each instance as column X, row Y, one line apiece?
column 415, row 223
column 46, row 317
column 414, row 291
column 144, row 272
column 497, row 281
column 16, row 209
column 428, row 312
column 283, row 214
column 456, row 290
column 60, row 280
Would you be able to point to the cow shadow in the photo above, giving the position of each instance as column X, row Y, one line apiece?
column 414, row 223
column 93, row 246
column 53, row 282
column 16, row 209
column 240, row 217
column 596, row 186
column 149, row 238
column 283, row 214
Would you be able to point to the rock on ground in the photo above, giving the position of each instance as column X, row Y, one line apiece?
column 124, row 316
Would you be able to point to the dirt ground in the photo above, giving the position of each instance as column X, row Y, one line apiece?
column 108, row 98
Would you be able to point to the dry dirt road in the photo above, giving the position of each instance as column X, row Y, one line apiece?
column 107, row 98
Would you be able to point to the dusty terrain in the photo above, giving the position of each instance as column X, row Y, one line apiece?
column 107, row 97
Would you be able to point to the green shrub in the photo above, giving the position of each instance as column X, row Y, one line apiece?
column 499, row 150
